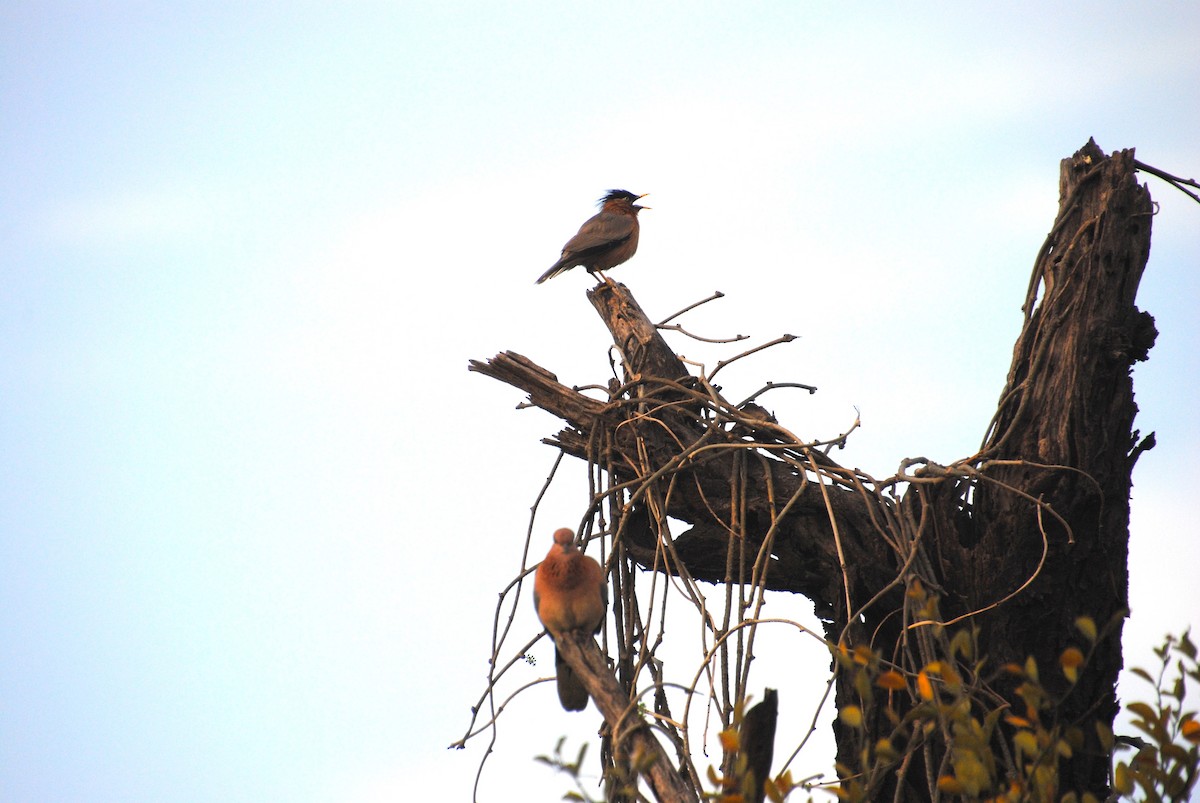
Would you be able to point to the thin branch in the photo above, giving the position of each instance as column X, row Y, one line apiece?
column 716, row 295
column 649, row 758
column 1175, row 181
column 674, row 327
column 756, row 349
column 775, row 386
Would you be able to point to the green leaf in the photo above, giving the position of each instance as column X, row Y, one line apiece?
column 1031, row 668
column 989, row 722
column 1175, row 753
column 842, row 656
column 862, row 684
column 886, row 750
column 1144, row 675
column 1123, row 779
column 1074, row 737
column 1155, row 730
column 1143, row 710
column 1105, row 734
column 1186, row 646
column 971, row 773
column 1025, row 742
column 961, row 644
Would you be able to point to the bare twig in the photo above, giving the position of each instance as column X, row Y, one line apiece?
column 716, row 295
column 755, row 350
column 674, row 327
column 1175, row 181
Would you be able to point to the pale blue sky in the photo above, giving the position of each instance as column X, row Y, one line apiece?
column 255, row 514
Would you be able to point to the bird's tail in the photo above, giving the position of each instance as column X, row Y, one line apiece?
column 571, row 693
column 555, row 269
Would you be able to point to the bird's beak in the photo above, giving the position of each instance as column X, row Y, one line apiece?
column 640, row 197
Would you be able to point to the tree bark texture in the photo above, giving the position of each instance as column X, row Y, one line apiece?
column 1064, row 434
column 1015, row 542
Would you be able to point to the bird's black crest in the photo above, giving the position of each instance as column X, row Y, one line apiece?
column 618, row 195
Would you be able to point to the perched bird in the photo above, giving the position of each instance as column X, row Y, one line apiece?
column 606, row 240
column 569, row 593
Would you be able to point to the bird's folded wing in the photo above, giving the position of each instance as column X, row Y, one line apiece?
column 603, row 231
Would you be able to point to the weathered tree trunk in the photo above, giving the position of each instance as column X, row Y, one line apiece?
column 1063, row 434
column 1016, row 542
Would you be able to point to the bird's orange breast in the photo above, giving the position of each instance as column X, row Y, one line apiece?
column 570, row 593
